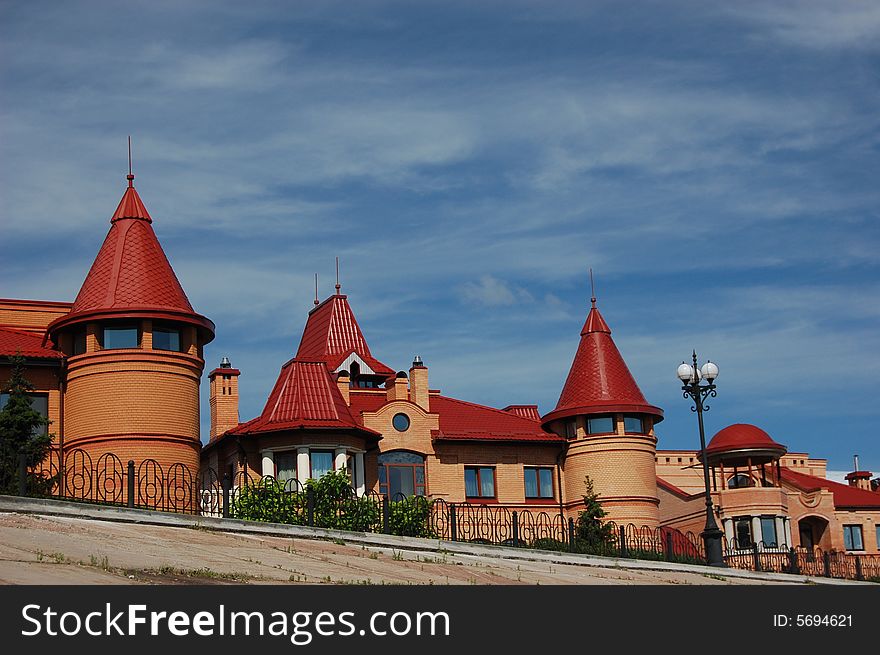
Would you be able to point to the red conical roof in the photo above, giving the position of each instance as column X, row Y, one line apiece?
column 332, row 334
column 131, row 275
column 599, row 381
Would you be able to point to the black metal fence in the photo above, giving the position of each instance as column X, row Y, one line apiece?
column 806, row 561
column 176, row 488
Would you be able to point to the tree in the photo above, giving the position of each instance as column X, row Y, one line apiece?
column 21, row 432
column 592, row 534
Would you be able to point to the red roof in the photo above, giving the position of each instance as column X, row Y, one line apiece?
column 27, row 344
column 464, row 421
column 332, row 334
column 599, row 381
column 131, row 274
column 526, row 411
column 742, row 436
column 305, row 396
column 844, row 495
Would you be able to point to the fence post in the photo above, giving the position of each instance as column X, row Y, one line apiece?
column 453, row 525
column 859, row 574
column 515, row 529
column 310, row 506
column 129, row 478
column 793, row 566
column 826, row 559
column 756, row 557
column 622, row 534
column 22, row 474
column 669, row 553
column 226, row 483
column 571, row 533
column 386, row 515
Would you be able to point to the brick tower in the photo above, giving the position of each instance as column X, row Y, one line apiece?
column 610, row 430
column 134, row 351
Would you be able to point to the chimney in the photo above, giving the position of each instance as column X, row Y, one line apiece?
column 395, row 388
column 224, row 398
column 859, row 479
column 418, row 384
column 343, row 383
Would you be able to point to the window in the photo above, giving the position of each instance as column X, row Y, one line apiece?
column 740, row 481
column 479, row 482
column 600, row 425
column 539, row 482
column 768, row 532
column 321, row 462
column 166, row 339
column 39, row 402
column 743, row 532
column 571, row 429
column 852, row 537
column 79, row 342
column 285, row 466
column 633, row 425
column 402, row 473
column 120, row 337
column 400, row 422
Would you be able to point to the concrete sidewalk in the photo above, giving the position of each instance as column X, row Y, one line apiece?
column 49, row 541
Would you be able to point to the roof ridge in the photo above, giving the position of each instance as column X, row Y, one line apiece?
column 494, row 409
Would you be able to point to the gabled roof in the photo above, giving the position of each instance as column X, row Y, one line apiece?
column 305, row 396
column 332, row 334
column 464, row 421
column 27, row 344
column 844, row 495
column 131, row 274
column 599, row 380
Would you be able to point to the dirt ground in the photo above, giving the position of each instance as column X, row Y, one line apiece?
column 57, row 550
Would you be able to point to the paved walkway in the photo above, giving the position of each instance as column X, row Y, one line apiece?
column 54, row 542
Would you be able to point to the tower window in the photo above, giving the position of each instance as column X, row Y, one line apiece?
column 166, row 339
column 633, row 425
column 571, row 429
column 120, row 337
column 600, row 425
column 79, row 342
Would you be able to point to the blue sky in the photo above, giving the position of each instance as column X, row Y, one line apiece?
column 715, row 165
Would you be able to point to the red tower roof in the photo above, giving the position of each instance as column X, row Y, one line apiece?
column 599, row 381
column 332, row 334
column 741, row 437
column 305, row 396
column 131, row 275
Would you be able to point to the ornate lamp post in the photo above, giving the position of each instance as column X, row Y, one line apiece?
column 691, row 378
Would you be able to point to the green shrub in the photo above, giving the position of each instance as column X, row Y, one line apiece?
column 409, row 517
column 269, row 502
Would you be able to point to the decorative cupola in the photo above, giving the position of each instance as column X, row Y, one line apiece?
column 743, row 455
column 859, row 478
column 133, row 341
column 332, row 335
column 610, row 429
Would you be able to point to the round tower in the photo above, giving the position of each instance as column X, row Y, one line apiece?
column 134, row 351
column 610, row 431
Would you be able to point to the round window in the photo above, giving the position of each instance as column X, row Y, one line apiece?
column 400, row 422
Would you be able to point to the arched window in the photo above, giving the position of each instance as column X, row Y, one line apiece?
column 740, row 481
column 401, row 472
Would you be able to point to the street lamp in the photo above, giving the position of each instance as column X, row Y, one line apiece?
column 691, row 378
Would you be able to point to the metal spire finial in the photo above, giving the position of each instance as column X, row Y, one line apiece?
column 130, row 176
column 592, row 290
column 338, row 286
column 316, row 290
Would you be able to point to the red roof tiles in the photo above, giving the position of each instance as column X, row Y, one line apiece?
column 27, row 344
column 464, row 421
column 132, row 275
column 332, row 334
column 305, row 396
column 844, row 496
column 599, row 380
